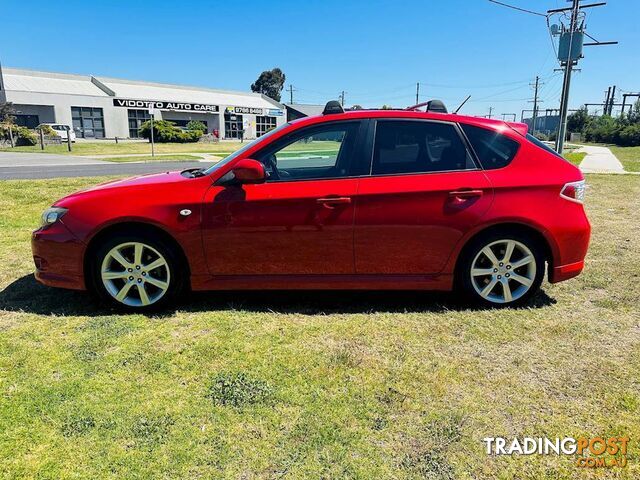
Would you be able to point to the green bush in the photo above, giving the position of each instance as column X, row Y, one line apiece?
column 194, row 125
column 167, row 132
column 47, row 130
column 630, row 136
column 25, row 137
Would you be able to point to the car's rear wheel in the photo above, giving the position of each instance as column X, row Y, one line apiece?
column 136, row 272
column 502, row 269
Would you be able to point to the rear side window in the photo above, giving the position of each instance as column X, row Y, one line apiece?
column 418, row 147
column 544, row 146
column 493, row 149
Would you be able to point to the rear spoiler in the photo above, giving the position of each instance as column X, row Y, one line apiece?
column 521, row 128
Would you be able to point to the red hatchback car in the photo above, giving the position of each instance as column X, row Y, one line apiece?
column 367, row 199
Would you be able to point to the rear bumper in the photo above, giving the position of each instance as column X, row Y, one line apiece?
column 565, row 272
column 58, row 257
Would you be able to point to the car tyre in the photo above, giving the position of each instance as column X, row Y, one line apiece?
column 136, row 272
column 501, row 269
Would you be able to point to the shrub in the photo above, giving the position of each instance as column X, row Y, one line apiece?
column 195, row 125
column 25, row 137
column 166, row 132
column 630, row 136
column 47, row 130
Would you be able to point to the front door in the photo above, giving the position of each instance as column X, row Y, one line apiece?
column 423, row 194
column 300, row 222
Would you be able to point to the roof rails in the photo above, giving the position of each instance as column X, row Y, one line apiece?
column 332, row 107
column 432, row 106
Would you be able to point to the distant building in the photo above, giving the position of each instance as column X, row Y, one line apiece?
column 547, row 124
column 299, row 110
column 101, row 107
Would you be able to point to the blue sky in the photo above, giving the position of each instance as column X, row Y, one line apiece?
column 374, row 50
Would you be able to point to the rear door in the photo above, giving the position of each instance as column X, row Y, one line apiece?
column 424, row 192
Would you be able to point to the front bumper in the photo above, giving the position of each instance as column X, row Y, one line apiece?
column 58, row 257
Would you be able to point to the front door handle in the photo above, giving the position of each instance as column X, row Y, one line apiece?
column 329, row 202
column 466, row 193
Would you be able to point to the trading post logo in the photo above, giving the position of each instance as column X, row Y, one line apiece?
column 595, row 452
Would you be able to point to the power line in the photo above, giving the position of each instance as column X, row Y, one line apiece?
column 518, row 8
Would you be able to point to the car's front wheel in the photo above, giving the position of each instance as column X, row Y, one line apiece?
column 502, row 269
column 136, row 272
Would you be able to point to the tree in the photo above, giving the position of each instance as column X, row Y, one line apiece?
column 578, row 120
column 270, row 83
column 6, row 111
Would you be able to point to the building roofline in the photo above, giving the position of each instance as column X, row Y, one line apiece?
column 102, row 80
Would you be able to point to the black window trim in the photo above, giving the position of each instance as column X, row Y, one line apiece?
column 361, row 131
column 456, row 127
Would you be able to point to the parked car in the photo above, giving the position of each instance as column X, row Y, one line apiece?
column 61, row 130
column 367, row 199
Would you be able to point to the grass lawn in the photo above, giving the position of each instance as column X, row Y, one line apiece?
column 628, row 156
column 317, row 385
column 108, row 147
column 157, row 158
column 575, row 158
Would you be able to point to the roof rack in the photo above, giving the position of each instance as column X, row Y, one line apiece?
column 432, row 106
column 332, row 107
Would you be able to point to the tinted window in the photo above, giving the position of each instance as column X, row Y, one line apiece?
column 314, row 152
column 418, row 146
column 544, row 146
column 493, row 149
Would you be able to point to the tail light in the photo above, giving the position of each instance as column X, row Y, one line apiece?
column 573, row 191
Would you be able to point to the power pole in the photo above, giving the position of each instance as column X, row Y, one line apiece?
column 569, row 52
column 417, row 93
column 490, row 110
column 612, row 100
column 290, row 93
column 535, row 105
column 606, row 102
column 342, row 98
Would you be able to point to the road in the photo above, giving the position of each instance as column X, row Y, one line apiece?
column 41, row 165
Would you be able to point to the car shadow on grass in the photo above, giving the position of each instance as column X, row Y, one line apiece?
column 27, row 295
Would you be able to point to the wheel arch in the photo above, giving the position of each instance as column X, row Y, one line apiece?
column 137, row 227
column 548, row 246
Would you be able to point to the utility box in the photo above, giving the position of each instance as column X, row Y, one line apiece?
column 570, row 46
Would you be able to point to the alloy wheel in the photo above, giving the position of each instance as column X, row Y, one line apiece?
column 135, row 274
column 503, row 271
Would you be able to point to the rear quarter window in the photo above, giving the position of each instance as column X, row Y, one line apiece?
column 493, row 149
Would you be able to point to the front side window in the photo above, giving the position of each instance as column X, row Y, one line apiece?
column 493, row 149
column 312, row 153
column 418, row 147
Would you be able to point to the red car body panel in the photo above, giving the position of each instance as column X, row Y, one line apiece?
column 361, row 232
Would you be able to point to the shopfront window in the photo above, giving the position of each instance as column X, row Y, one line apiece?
column 232, row 125
column 264, row 125
column 137, row 118
column 88, row 122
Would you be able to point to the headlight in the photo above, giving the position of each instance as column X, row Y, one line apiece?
column 52, row 215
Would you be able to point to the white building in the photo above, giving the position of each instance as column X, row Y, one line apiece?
column 100, row 107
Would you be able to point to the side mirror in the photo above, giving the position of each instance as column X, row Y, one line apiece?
column 249, row 171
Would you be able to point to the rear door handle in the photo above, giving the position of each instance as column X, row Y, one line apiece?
column 329, row 202
column 466, row 193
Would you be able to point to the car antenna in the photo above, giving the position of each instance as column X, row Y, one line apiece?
column 460, row 106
